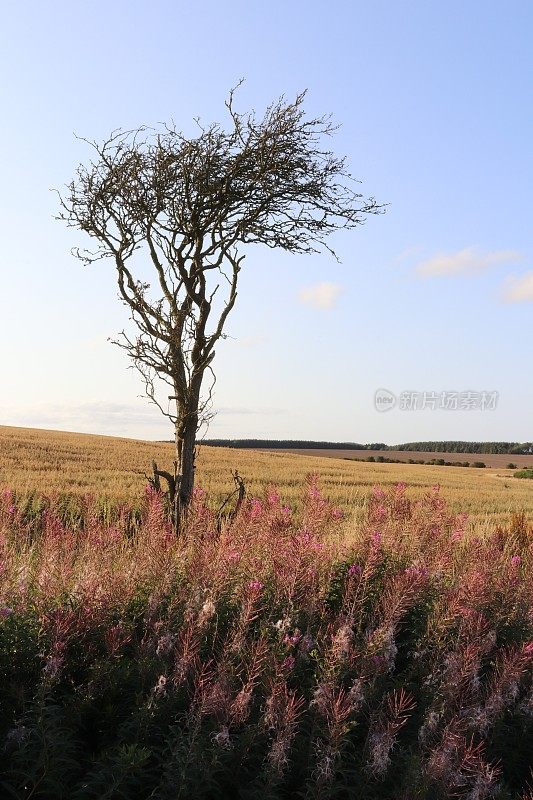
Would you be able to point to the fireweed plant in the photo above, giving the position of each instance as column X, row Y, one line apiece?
column 281, row 655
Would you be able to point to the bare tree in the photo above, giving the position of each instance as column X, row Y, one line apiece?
column 176, row 211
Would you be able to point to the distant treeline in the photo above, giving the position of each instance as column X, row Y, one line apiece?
column 504, row 448
column 293, row 444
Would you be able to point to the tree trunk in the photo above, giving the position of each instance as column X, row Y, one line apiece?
column 186, row 463
column 185, row 433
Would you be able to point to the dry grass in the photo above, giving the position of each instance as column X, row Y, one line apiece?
column 52, row 461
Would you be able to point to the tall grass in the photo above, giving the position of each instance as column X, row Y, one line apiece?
column 281, row 655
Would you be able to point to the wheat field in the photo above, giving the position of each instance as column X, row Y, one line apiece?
column 54, row 462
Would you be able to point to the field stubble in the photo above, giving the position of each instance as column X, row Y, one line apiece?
column 53, row 462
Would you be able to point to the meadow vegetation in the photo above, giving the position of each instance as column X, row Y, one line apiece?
column 282, row 654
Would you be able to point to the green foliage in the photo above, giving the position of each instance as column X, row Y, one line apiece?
column 121, row 772
column 20, row 663
column 44, row 752
column 524, row 473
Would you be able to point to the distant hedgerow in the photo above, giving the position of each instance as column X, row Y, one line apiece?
column 524, row 473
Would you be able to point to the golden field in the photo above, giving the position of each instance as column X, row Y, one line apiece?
column 51, row 462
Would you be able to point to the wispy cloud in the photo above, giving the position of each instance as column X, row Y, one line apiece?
column 238, row 410
column 137, row 420
column 320, row 295
column 464, row 262
column 88, row 417
column 519, row 289
column 247, row 342
column 408, row 254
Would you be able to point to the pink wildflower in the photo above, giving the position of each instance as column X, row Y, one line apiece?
column 379, row 513
column 417, row 572
column 273, row 497
column 288, row 663
column 294, row 639
column 115, row 638
column 256, row 508
column 307, row 644
column 314, row 493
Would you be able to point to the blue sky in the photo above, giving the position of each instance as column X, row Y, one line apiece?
column 436, row 295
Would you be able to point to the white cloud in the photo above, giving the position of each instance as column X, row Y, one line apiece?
column 321, row 295
column 464, row 261
column 519, row 289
